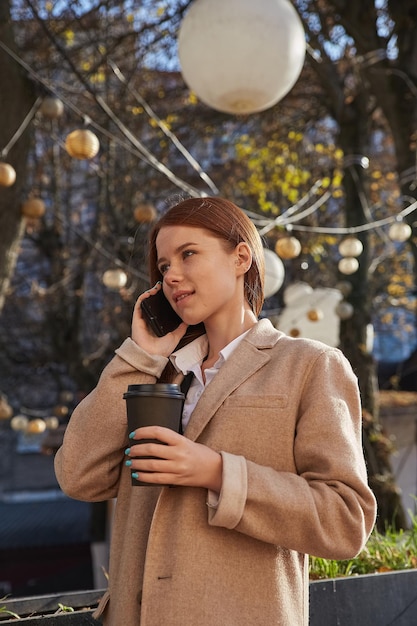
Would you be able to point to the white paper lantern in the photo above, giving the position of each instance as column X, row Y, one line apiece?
column 274, row 273
column 348, row 265
column 241, row 56
column 351, row 246
column 399, row 231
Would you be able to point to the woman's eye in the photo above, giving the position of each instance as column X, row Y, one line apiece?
column 163, row 269
column 187, row 253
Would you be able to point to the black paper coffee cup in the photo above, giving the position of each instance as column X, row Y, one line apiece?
column 158, row 404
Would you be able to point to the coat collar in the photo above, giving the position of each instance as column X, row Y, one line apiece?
column 248, row 357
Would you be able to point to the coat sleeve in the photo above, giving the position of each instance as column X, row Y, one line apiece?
column 88, row 464
column 324, row 508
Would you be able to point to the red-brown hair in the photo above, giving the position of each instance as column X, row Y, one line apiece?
column 225, row 221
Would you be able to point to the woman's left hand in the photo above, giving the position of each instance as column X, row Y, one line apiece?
column 179, row 462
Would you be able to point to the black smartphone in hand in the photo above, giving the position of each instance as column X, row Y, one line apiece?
column 159, row 314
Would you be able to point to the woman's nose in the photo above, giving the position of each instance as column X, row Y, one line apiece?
column 172, row 274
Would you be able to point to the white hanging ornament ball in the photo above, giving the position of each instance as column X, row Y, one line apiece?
column 51, row 422
column 82, row 144
column 7, row 174
column 351, row 246
column 274, row 273
column 19, row 423
column 399, row 231
column 344, row 310
column 288, row 247
column 115, row 279
column 241, row 56
column 345, row 287
column 348, row 265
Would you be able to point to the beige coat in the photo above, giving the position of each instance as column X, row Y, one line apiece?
column 285, row 413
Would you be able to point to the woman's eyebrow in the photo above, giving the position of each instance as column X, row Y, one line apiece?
column 178, row 250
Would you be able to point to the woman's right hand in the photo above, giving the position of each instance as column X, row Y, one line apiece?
column 143, row 335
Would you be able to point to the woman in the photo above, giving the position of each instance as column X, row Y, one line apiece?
column 270, row 467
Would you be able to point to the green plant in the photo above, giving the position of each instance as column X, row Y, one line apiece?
column 5, row 611
column 384, row 552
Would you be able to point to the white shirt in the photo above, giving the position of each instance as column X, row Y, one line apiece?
column 189, row 359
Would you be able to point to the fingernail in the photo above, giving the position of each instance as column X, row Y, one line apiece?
column 128, row 463
column 135, row 475
column 132, row 435
column 127, row 451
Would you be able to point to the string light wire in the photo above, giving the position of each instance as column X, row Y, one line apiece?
column 141, row 152
column 168, row 133
column 29, row 117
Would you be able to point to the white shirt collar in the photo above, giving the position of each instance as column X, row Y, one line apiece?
column 185, row 359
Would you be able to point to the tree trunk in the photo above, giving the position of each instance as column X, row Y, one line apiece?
column 17, row 98
column 353, row 332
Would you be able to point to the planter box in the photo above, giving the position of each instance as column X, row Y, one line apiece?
column 380, row 599
column 41, row 610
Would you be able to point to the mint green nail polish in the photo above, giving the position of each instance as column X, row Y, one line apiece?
column 135, row 475
column 128, row 463
column 127, row 451
column 132, row 434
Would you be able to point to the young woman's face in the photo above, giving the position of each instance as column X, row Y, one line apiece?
column 202, row 279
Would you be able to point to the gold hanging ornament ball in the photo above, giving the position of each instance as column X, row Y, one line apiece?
column 6, row 410
column 82, row 144
column 315, row 315
column 52, row 107
column 60, row 410
column 7, row 174
column 36, row 426
column 145, row 213
column 288, row 247
column 33, row 208
column 294, row 332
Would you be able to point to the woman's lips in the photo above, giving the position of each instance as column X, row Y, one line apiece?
column 180, row 296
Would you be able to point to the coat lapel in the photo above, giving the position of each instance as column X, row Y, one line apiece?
column 248, row 357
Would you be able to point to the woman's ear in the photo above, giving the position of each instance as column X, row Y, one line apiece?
column 243, row 255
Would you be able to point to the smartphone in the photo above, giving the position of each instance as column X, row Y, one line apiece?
column 159, row 314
